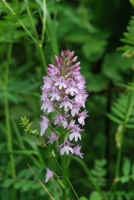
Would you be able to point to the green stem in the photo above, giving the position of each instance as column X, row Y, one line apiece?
column 31, row 19
column 44, row 10
column 128, row 112
column 8, row 127
column 9, row 136
column 122, row 129
column 64, row 175
column 42, row 57
column 39, row 43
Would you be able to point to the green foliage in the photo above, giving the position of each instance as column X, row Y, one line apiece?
column 95, row 196
column 115, row 66
column 31, row 33
column 27, row 127
column 83, row 198
column 128, row 39
column 127, row 171
column 123, row 105
column 99, row 173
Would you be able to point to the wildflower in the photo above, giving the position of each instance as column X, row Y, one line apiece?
column 52, row 70
column 66, row 147
column 75, row 110
column 64, row 95
column 47, row 106
column 71, row 89
column 49, row 175
column 66, row 104
column 44, row 124
column 82, row 117
column 61, row 121
column 75, row 133
column 77, row 152
column 55, row 94
column 61, row 83
column 52, row 138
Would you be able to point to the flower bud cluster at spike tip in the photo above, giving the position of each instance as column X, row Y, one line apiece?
column 64, row 95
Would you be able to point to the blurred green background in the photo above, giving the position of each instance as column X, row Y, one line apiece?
column 30, row 36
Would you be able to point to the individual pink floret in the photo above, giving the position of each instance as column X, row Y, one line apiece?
column 77, row 152
column 52, row 138
column 66, row 147
column 49, row 175
column 44, row 124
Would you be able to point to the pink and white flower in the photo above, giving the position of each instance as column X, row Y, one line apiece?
column 77, row 152
column 66, row 147
column 44, row 124
column 49, row 175
column 64, row 95
column 52, row 138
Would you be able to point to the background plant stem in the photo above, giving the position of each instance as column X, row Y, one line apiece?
column 7, row 119
column 130, row 105
column 119, row 152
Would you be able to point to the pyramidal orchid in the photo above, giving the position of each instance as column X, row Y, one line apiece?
column 64, row 95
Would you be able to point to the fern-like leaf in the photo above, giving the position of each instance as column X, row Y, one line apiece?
column 99, row 172
column 128, row 39
column 122, row 111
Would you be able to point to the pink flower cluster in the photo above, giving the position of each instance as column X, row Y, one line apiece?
column 64, row 95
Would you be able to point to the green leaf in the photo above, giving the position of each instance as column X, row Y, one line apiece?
column 119, row 198
column 83, row 198
column 114, row 64
column 8, row 182
column 95, row 196
column 19, row 184
column 94, row 48
column 126, row 167
column 124, row 179
column 117, row 112
column 132, row 177
column 114, row 119
column 94, row 79
column 81, row 36
column 132, row 168
column 131, row 126
column 132, row 171
column 128, row 39
column 24, row 173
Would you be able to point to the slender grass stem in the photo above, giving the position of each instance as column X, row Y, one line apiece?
column 7, row 119
column 39, row 43
column 8, row 128
column 43, row 186
column 9, row 137
column 43, row 21
column 73, row 189
column 19, row 138
column 31, row 20
column 42, row 57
